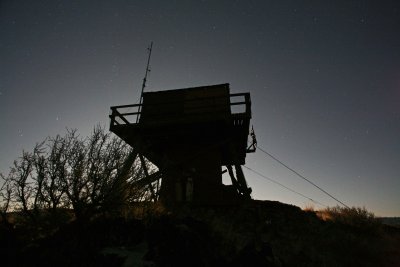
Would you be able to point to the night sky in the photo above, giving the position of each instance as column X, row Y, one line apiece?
column 324, row 78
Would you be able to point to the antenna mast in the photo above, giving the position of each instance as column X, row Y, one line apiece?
column 144, row 80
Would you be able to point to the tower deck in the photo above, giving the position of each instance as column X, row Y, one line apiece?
column 189, row 134
column 193, row 118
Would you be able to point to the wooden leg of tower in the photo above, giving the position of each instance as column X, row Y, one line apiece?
column 124, row 174
column 146, row 173
column 128, row 164
column 233, row 179
column 246, row 191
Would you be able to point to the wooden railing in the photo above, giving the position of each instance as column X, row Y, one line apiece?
column 239, row 110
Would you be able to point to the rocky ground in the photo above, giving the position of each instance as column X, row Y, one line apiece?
column 255, row 233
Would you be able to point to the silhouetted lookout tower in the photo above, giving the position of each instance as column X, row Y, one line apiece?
column 190, row 134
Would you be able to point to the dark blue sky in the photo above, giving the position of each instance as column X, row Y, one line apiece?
column 324, row 80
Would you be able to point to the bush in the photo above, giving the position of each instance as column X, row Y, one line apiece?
column 354, row 216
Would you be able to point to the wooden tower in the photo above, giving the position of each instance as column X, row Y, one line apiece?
column 190, row 134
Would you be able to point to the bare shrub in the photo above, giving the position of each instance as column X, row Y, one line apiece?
column 90, row 175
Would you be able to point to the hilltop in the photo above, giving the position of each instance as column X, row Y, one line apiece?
column 255, row 233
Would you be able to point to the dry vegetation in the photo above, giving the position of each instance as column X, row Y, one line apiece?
column 352, row 216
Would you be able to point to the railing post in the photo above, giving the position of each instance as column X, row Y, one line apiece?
column 112, row 117
column 248, row 103
column 139, row 112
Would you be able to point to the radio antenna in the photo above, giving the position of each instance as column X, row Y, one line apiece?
column 144, row 80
